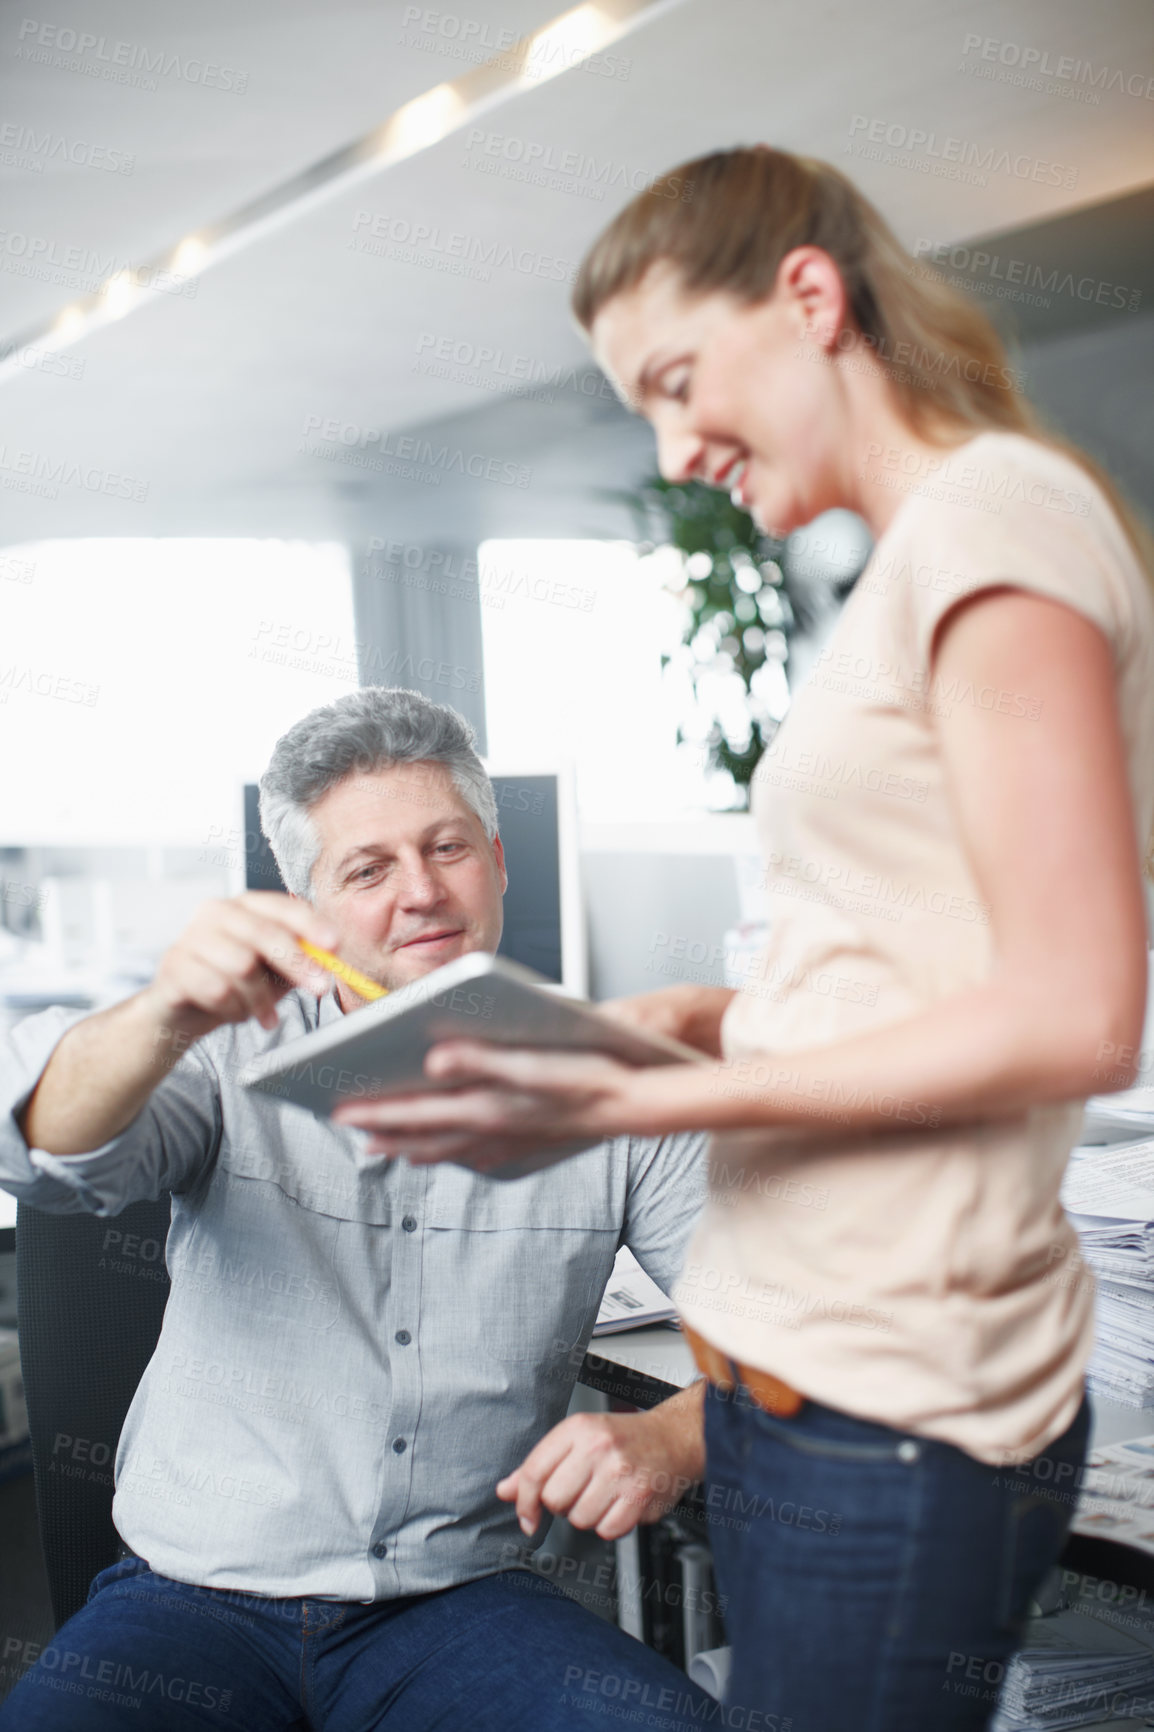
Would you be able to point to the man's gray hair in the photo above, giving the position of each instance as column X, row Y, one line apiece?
column 369, row 730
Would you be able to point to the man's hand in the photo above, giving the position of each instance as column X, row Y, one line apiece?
column 610, row 1471
column 236, row 959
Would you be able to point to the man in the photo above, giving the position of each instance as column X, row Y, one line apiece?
column 354, row 1351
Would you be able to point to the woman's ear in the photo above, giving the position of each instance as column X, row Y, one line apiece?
column 810, row 285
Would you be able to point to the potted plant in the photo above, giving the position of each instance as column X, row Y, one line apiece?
column 742, row 612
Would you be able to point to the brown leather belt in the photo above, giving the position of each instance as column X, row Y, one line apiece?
column 768, row 1391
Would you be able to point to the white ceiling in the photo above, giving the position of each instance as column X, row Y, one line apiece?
column 315, row 77
column 205, row 401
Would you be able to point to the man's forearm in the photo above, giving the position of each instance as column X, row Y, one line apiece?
column 100, row 1076
column 235, row 961
column 679, row 1426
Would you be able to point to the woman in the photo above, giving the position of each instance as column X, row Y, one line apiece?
column 952, row 816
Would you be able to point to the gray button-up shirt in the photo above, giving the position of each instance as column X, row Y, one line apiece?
column 354, row 1350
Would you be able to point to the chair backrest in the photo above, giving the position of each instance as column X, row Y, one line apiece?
column 90, row 1295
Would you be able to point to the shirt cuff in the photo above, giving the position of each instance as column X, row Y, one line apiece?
column 64, row 1184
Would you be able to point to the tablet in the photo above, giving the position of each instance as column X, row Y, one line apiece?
column 380, row 1050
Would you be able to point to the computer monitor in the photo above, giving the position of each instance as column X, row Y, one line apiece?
column 544, row 913
column 544, row 909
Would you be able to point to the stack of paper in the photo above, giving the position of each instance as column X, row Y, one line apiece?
column 1093, row 1664
column 1116, row 1499
column 1129, row 1113
column 1108, row 1194
column 1078, row 1668
column 631, row 1299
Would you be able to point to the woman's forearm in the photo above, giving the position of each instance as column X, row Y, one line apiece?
column 1027, row 1037
column 986, row 1052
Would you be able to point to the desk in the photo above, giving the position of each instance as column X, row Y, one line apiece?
column 641, row 1366
column 646, row 1366
column 1113, row 1423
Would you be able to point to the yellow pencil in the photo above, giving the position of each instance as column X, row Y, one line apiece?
column 360, row 983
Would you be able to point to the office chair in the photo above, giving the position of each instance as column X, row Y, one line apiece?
column 90, row 1298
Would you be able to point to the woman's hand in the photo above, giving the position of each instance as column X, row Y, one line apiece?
column 507, row 1102
column 691, row 1014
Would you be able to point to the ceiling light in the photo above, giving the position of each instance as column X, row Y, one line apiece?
column 568, row 39
column 422, row 122
column 70, row 324
column 119, row 292
column 425, row 121
column 189, row 256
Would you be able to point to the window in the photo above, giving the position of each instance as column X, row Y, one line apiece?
column 574, row 633
column 142, row 681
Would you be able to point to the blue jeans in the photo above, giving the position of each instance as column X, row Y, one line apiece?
column 506, row 1653
column 872, row 1580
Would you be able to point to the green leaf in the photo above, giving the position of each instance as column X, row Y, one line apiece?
column 694, row 518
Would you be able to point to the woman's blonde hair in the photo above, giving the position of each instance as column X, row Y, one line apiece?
column 726, row 221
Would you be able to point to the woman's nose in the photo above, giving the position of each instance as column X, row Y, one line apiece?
column 679, row 456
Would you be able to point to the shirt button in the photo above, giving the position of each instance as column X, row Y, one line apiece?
column 409, row 1223
column 402, row 1337
column 909, row 1450
column 380, row 1549
column 399, row 1445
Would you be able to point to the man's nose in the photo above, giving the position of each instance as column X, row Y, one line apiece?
column 420, row 884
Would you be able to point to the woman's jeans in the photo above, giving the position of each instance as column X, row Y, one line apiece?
column 871, row 1580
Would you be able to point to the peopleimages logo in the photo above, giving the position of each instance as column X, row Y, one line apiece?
column 68, row 1667
column 36, row 472
column 1019, row 273
column 442, row 572
column 23, row 147
column 82, row 268
column 477, row 40
column 575, row 171
column 452, row 250
column 406, row 455
column 490, row 367
column 929, row 151
column 132, row 63
column 1065, row 68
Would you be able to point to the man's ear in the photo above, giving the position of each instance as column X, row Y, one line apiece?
column 499, row 856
